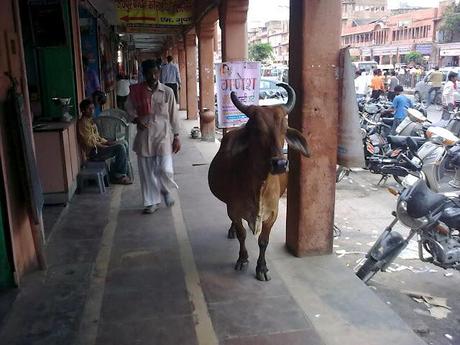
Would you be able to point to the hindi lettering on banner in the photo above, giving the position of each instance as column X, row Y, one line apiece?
column 243, row 77
column 132, row 13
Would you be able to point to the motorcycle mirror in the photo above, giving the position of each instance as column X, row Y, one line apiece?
column 393, row 191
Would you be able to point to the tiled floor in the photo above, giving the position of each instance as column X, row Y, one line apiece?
column 142, row 281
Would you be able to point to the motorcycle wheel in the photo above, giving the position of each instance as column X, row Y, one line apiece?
column 368, row 270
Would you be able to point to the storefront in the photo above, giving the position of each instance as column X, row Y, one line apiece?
column 403, row 50
column 384, row 55
column 366, row 54
column 449, row 54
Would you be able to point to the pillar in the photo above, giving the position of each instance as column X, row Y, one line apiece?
column 313, row 68
column 233, row 23
column 206, row 33
column 183, row 77
column 190, row 56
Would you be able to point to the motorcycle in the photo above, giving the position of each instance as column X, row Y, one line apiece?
column 414, row 124
column 434, row 217
column 390, row 155
column 434, row 156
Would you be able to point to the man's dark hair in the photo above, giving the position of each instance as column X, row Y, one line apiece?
column 393, row 72
column 169, row 58
column 399, row 88
column 85, row 104
column 99, row 97
column 452, row 75
column 357, row 73
column 148, row 64
column 436, row 68
column 376, row 71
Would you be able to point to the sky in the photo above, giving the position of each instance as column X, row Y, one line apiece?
column 261, row 11
column 422, row 3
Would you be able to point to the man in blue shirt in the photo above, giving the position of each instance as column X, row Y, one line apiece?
column 400, row 105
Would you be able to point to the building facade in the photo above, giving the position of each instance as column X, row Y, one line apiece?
column 275, row 32
column 389, row 39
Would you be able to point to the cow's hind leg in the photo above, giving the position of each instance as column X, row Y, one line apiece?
column 261, row 268
column 232, row 231
column 243, row 255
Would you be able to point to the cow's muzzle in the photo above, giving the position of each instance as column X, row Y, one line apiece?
column 279, row 165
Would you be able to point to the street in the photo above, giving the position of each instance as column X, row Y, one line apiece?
column 363, row 210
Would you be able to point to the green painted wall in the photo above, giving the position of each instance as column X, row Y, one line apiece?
column 57, row 72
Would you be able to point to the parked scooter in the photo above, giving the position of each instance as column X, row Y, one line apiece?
column 434, row 156
column 434, row 217
column 414, row 124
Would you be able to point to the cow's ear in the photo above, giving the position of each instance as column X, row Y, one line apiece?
column 296, row 140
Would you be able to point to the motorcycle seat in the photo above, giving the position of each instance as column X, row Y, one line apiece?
column 422, row 200
column 401, row 141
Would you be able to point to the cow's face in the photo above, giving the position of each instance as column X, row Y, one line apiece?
column 268, row 129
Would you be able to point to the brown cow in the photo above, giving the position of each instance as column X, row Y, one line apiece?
column 249, row 174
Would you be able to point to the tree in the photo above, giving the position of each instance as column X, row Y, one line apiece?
column 260, row 52
column 450, row 22
column 415, row 57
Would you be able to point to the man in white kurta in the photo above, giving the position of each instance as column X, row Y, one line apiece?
column 152, row 106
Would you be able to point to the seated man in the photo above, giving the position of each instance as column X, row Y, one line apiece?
column 97, row 148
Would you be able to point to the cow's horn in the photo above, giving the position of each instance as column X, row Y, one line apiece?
column 240, row 106
column 291, row 97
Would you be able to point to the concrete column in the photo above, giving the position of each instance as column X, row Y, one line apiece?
column 232, row 20
column 313, row 66
column 175, row 54
column 206, row 33
column 183, row 76
column 190, row 55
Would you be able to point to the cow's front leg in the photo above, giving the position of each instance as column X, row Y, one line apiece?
column 261, row 268
column 243, row 255
column 232, row 231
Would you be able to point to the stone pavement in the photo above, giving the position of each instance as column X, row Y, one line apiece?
column 118, row 277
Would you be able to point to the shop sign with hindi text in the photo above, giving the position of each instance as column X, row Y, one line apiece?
column 154, row 12
column 243, row 78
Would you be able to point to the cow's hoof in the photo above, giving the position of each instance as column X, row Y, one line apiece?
column 262, row 275
column 240, row 264
column 231, row 233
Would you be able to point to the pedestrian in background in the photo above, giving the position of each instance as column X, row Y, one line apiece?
column 122, row 91
column 436, row 82
column 377, row 85
column 170, row 76
column 393, row 82
column 448, row 95
column 361, row 84
column 400, row 105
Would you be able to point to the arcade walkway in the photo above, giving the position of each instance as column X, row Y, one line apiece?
column 117, row 277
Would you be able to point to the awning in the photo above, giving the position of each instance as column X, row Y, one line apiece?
column 385, row 50
column 450, row 52
column 366, row 51
column 402, row 50
column 425, row 49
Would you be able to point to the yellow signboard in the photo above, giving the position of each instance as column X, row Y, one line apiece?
column 155, row 12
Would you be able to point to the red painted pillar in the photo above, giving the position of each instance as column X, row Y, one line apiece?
column 206, row 32
column 182, row 70
column 190, row 55
column 233, row 23
column 313, row 61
